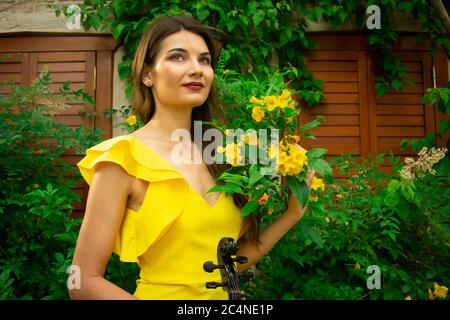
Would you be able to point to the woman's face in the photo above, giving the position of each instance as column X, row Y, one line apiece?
column 183, row 58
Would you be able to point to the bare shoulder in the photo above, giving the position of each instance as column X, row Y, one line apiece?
column 112, row 182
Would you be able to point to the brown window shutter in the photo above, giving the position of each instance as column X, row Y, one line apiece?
column 400, row 115
column 356, row 119
column 345, row 107
column 68, row 57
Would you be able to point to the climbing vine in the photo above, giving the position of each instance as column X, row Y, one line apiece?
column 264, row 33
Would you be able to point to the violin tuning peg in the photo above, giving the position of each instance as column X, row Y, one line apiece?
column 241, row 259
column 214, row 285
column 209, row 266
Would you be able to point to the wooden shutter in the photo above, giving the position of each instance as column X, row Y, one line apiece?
column 400, row 115
column 344, row 107
column 78, row 68
column 78, row 58
column 15, row 67
column 356, row 119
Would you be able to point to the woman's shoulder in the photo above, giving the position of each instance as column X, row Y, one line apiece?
column 118, row 141
column 129, row 153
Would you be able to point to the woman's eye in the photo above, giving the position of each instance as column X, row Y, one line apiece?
column 206, row 60
column 177, row 57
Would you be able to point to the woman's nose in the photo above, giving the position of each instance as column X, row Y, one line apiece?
column 196, row 68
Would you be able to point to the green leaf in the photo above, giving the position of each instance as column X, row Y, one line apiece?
column 314, row 235
column 228, row 187
column 64, row 237
column 299, row 189
column 406, row 6
column 249, row 207
column 310, row 125
column 323, row 168
column 141, row 26
column 124, row 70
column 255, row 174
column 103, row 13
column 117, row 30
column 289, row 112
column 316, row 153
column 380, row 89
column 396, row 84
column 309, row 136
column 393, row 185
column 392, row 200
column 202, row 13
column 444, row 125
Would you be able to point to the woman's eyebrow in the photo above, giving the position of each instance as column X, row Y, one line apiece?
column 184, row 50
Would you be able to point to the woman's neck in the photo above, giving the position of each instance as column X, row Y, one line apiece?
column 165, row 123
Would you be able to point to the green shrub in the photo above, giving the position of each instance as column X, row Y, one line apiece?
column 38, row 237
column 353, row 225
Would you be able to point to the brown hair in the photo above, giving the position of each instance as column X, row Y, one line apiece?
column 144, row 103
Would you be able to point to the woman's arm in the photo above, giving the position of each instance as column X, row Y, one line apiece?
column 105, row 208
column 274, row 232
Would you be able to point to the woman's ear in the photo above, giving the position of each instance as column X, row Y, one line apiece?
column 147, row 78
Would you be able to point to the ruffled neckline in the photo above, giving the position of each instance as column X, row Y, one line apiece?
column 163, row 164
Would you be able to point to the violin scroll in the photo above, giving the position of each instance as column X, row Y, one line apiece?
column 227, row 248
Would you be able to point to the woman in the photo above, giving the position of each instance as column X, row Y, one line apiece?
column 150, row 210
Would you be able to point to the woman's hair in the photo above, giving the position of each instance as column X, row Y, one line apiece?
column 143, row 100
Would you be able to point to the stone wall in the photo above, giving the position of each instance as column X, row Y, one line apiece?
column 34, row 16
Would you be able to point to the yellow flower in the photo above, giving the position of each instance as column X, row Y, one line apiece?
column 440, row 291
column 286, row 94
column 328, row 219
column 430, row 295
column 257, row 113
column 346, row 223
column 293, row 161
column 253, row 99
column 357, row 266
column 273, row 151
column 339, row 195
column 285, row 100
column 271, row 102
column 131, row 120
column 317, row 183
column 408, row 298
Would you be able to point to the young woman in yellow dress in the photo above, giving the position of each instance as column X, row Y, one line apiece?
column 150, row 209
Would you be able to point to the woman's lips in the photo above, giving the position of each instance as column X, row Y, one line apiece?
column 193, row 87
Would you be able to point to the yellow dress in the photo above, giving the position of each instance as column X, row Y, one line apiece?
column 174, row 231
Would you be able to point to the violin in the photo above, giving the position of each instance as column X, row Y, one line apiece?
column 227, row 248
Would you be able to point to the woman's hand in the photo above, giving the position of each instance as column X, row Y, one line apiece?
column 294, row 208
